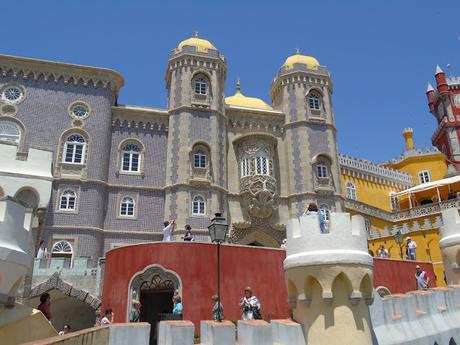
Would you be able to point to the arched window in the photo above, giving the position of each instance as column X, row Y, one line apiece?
column 245, row 167
column 74, row 149
column 28, row 196
column 62, row 249
column 322, row 170
column 200, row 85
column 131, row 158
column 394, row 203
column 127, row 206
column 351, row 191
column 262, row 165
column 198, row 205
column 424, row 176
column 199, row 159
column 68, row 200
column 314, row 100
column 10, row 132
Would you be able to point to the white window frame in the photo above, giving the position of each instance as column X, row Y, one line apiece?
column 200, row 86
column 351, row 191
column 8, row 137
column 73, row 149
column 66, row 193
column 424, row 176
column 261, row 165
column 322, row 170
column 200, row 205
column 63, row 254
column 131, row 153
column 124, row 203
column 324, row 209
column 394, row 204
column 245, row 167
column 201, row 156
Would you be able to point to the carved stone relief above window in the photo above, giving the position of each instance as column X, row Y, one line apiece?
column 323, row 179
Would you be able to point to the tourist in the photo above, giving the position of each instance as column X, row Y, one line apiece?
column 411, row 246
column 188, row 234
column 382, row 252
column 65, row 330
column 217, row 315
column 42, row 252
column 422, row 278
column 168, row 230
column 136, row 312
column 312, row 210
column 250, row 305
column 107, row 319
column 45, row 305
column 178, row 309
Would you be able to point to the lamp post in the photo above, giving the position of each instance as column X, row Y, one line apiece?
column 399, row 240
column 218, row 231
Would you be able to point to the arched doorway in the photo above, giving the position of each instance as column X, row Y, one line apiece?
column 154, row 287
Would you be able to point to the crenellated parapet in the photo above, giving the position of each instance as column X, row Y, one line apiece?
column 450, row 244
column 329, row 278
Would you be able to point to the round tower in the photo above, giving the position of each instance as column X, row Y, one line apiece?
column 197, row 137
column 302, row 90
column 329, row 279
column 450, row 245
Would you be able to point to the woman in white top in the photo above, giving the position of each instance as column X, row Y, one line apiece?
column 108, row 317
column 42, row 252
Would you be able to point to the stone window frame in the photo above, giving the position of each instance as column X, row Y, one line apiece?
column 72, row 240
column 20, row 126
column 82, row 167
column 193, row 205
column 351, row 191
column 318, row 94
column 424, row 176
column 207, row 197
column 120, row 197
column 247, row 161
column 61, row 190
column 16, row 85
column 197, row 172
column 120, row 151
column 75, row 104
column 200, row 97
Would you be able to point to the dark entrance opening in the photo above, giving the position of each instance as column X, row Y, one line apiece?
column 255, row 244
column 155, row 302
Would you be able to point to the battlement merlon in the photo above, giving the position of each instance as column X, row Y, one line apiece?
column 37, row 164
column 345, row 242
column 450, row 230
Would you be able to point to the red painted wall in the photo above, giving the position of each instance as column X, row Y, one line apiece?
column 195, row 263
column 398, row 275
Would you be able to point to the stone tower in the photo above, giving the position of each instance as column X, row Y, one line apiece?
column 329, row 279
column 197, row 138
column 450, row 244
column 302, row 90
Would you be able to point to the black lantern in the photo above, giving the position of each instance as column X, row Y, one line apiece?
column 399, row 240
column 218, row 231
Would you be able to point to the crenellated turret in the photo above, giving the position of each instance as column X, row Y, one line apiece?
column 329, row 279
column 441, row 82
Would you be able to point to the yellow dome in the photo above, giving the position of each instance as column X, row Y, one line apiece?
column 240, row 100
column 200, row 44
column 310, row 61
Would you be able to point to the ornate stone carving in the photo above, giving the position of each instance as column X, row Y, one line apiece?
column 241, row 230
column 259, row 193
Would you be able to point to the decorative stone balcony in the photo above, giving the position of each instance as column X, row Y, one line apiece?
column 324, row 185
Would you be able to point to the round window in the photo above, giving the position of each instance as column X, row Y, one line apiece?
column 12, row 94
column 79, row 110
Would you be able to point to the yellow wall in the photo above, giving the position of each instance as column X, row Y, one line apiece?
column 434, row 163
column 370, row 192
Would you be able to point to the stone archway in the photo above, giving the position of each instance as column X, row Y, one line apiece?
column 68, row 304
column 153, row 276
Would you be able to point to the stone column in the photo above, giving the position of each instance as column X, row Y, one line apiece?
column 329, row 279
column 450, row 245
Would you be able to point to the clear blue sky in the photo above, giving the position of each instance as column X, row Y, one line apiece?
column 381, row 53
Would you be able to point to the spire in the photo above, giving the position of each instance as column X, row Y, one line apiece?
column 238, row 85
column 297, row 50
column 438, row 69
column 196, row 33
column 429, row 88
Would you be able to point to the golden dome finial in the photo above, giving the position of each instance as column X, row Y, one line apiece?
column 238, row 85
column 297, row 50
column 196, row 33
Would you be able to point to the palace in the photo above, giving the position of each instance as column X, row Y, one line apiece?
column 119, row 171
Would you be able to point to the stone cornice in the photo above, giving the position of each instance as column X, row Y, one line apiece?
column 140, row 117
column 55, row 71
column 189, row 108
column 309, row 122
column 109, row 185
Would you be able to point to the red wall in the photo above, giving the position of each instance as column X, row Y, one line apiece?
column 398, row 275
column 195, row 263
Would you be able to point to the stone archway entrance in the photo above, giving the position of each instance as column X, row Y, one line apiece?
column 68, row 304
column 154, row 287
